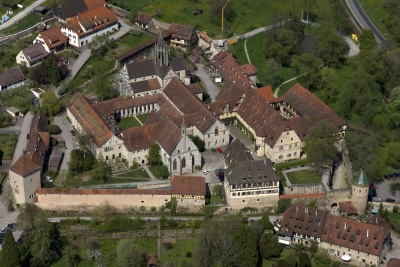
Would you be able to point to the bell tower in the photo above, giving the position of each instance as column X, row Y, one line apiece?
column 161, row 52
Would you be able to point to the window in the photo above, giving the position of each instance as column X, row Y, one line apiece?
column 183, row 163
column 291, row 139
column 287, row 133
column 106, row 149
column 290, row 146
column 280, row 157
column 174, row 164
column 216, row 131
column 281, row 148
column 295, row 154
column 289, row 155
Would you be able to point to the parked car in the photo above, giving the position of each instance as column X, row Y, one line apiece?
column 396, row 192
column 207, row 171
column 376, row 199
column 48, row 178
column 219, row 170
column 213, row 151
column 73, row 132
column 390, row 200
column 219, row 150
column 372, row 192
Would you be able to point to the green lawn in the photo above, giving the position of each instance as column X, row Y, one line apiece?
column 30, row 20
column 243, row 19
column 143, row 118
column 20, row 98
column 216, row 200
column 177, row 255
column 304, row 177
column 128, row 123
column 140, row 173
column 155, row 170
column 394, row 221
column 7, row 145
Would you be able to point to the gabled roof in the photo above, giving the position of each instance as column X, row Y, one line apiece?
column 354, row 234
column 348, row 208
column 24, row 166
column 11, row 76
column 141, row 69
column 53, row 37
column 35, row 52
column 194, row 88
column 144, row 86
column 70, row 8
column 139, row 138
column 181, row 32
column 266, row 93
column 89, row 119
column 143, row 18
column 249, row 69
column 377, row 220
column 188, row 185
column 235, row 153
column 205, row 37
column 91, row 20
column 91, row 4
column 177, row 63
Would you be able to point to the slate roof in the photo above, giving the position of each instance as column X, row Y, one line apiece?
column 35, row 52
column 143, row 18
column 144, row 86
column 235, row 153
column 91, row 20
column 109, row 107
column 181, row 32
column 11, row 76
column 188, row 185
column 177, row 63
column 251, row 172
column 24, row 166
column 303, row 220
column 91, row 122
column 53, row 37
column 70, row 9
column 91, row 4
column 348, row 208
column 354, row 234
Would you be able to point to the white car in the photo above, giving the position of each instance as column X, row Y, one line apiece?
column 206, row 171
column 48, row 178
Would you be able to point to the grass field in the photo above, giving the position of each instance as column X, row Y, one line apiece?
column 142, row 118
column 140, row 173
column 178, row 254
column 128, row 123
column 20, row 98
column 30, row 20
column 155, row 170
column 304, row 177
column 243, row 19
column 394, row 221
column 7, row 145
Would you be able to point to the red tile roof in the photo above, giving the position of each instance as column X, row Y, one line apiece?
column 205, row 37
column 266, row 93
column 393, row 262
column 139, row 138
column 249, row 69
column 91, row 20
column 91, row 4
column 188, row 185
column 377, row 220
column 53, row 37
column 354, row 234
column 348, row 208
column 24, row 166
column 89, row 119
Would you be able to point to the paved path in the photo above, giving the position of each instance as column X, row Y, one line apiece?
column 14, row 128
column 22, row 141
column 211, row 88
column 245, row 50
column 146, row 168
column 21, row 14
column 354, row 48
column 362, row 18
column 65, row 126
column 294, row 170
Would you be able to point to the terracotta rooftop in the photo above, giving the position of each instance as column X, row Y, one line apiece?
column 92, row 191
column 177, row 63
column 266, row 93
column 143, row 18
column 377, row 220
column 139, row 138
column 24, row 166
column 89, row 119
column 188, row 185
column 205, row 37
column 348, row 208
column 249, row 69
column 354, row 234
column 194, row 88
column 181, row 32
column 11, row 76
column 91, row 20
column 53, row 37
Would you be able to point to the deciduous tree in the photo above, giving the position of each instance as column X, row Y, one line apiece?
column 129, row 255
column 307, row 65
column 27, row 216
column 50, row 103
column 320, row 143
column 367, row 40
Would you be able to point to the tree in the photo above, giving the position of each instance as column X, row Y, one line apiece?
column 154, row 157
column 394, row 108
column 9, row 255
column 51, row 71
column 218, row 190
column 282, row 46
column 246, row 240
column 307, row 65
column 266, row 223
column 27, row 216
column 320, row 143
column 327, row 82
column 93, row 249
column 53, row 129
column 102, row 171
column 304, row 260
column 283, row 203
column 50, row 104
column 80, row 161
column 105, row 213
column 129, row 255
column 367, row 40
column 393, row 156
column 269, row 246
column 321, row 259
column 198, row 142
column 46, row 246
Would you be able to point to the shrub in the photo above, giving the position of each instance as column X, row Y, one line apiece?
column 168, row 245
column 53, row 129
column 282, row 205
column 189, row 254
column 197, row 168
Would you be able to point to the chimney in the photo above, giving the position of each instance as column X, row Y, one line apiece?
column 316, row 212
column 297, row 208
column 345, row 224
column 367, row 232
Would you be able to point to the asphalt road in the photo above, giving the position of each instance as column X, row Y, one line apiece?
column 14, row 128
column 21, row 14
column 65, row 126
column 383, row 189
column 21, row 144
column 362, row 18
column 211, row 88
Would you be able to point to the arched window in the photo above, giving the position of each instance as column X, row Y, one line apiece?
column 174, row 164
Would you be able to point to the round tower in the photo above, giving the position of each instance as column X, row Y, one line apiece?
column 359, row 192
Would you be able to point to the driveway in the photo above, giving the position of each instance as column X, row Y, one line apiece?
column 383, row 189
column 211, row 88
column 14, row 128
column 21, row 144
column 65, row 126
column 21, row 14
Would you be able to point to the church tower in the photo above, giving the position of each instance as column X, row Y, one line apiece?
column 359, row 192
column 161, row 52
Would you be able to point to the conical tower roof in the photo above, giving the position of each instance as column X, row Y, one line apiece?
column 361, row 180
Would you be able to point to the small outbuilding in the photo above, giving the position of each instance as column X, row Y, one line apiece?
column 13, row 111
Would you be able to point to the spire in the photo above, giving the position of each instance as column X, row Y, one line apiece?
column 161, row 51
column 361, row 180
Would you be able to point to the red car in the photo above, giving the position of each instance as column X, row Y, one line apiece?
column 219, row 150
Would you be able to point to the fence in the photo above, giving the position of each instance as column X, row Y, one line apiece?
column 26, row 32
